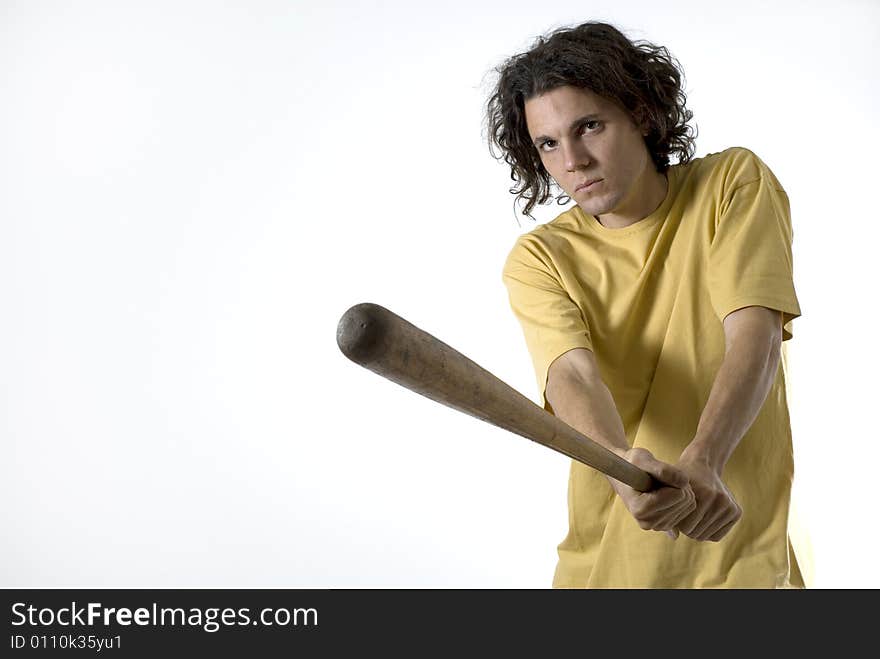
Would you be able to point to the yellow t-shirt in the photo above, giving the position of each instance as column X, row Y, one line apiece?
column 648, row 300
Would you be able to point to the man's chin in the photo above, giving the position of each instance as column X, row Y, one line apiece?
column 594, row 208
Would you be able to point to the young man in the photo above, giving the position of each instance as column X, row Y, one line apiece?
column 654, row 311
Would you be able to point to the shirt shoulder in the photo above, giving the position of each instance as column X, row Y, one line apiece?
column 725, row 171
column 541, row 246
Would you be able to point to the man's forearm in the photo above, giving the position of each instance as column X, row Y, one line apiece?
column 738, row 393
column 589, row 408
column 585, row 403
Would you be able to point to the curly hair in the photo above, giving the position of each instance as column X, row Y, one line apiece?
column 644, row 79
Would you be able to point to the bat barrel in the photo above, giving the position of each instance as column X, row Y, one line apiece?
column 385, row 343
column 360, row 332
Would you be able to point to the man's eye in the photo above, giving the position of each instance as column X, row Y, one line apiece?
column 591, row 125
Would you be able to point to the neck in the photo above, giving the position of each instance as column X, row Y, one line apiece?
column 648, row 193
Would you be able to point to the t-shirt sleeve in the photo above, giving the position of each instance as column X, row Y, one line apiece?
column 551, row 322
column 750, row 259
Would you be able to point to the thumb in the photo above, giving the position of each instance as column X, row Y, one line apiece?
column 669, row 475
column 662, row 471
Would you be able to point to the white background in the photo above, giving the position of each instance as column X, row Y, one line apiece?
column 192, row 193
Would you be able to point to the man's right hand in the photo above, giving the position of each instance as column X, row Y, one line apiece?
column 663, row 508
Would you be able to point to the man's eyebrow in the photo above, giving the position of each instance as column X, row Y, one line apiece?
column 574, row 124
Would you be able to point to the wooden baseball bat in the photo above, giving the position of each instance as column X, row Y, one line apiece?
column 377, row 339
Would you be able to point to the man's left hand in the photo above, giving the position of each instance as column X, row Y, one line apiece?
column 717, row 511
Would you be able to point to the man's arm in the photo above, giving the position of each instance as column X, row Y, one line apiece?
column 753, row 337
column 579, row 397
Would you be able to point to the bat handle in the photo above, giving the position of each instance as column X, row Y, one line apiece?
column 637, row 478
column 576, row 445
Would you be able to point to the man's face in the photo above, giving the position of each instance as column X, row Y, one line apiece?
column 582, row 137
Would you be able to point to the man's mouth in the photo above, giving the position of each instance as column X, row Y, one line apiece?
column 586, row 185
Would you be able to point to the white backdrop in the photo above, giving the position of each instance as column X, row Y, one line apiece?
column 192, row 193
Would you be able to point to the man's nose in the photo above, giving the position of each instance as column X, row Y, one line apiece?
column 575, row 156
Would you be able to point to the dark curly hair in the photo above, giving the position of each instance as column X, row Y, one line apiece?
column 641, row 77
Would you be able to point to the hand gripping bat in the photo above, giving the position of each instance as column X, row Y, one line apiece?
column 385, row 343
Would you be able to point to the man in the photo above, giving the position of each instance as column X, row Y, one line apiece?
column 654, row 311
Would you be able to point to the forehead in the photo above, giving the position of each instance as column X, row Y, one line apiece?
column 553, row 110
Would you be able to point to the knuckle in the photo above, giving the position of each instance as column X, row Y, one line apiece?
column 638, row 456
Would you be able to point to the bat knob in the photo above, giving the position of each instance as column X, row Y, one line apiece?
column 360, row 332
